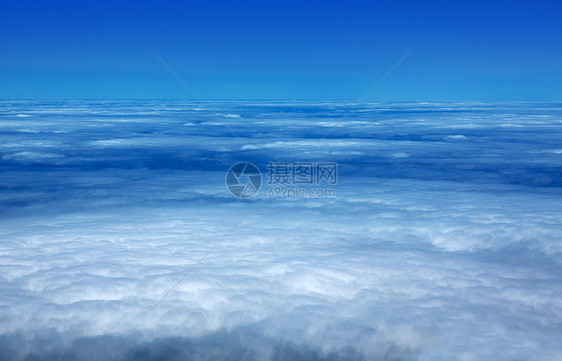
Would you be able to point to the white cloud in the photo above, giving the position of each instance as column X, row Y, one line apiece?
column 88, row 248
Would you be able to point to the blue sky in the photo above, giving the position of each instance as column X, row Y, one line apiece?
column 477, row 50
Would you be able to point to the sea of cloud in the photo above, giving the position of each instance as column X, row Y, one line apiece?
column 120, row 241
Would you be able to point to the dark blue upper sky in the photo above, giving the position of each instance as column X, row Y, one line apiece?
column 473, row 50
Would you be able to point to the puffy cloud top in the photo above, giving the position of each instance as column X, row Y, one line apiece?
column 118, row 242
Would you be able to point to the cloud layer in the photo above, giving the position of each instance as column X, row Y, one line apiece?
column 105, row 206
